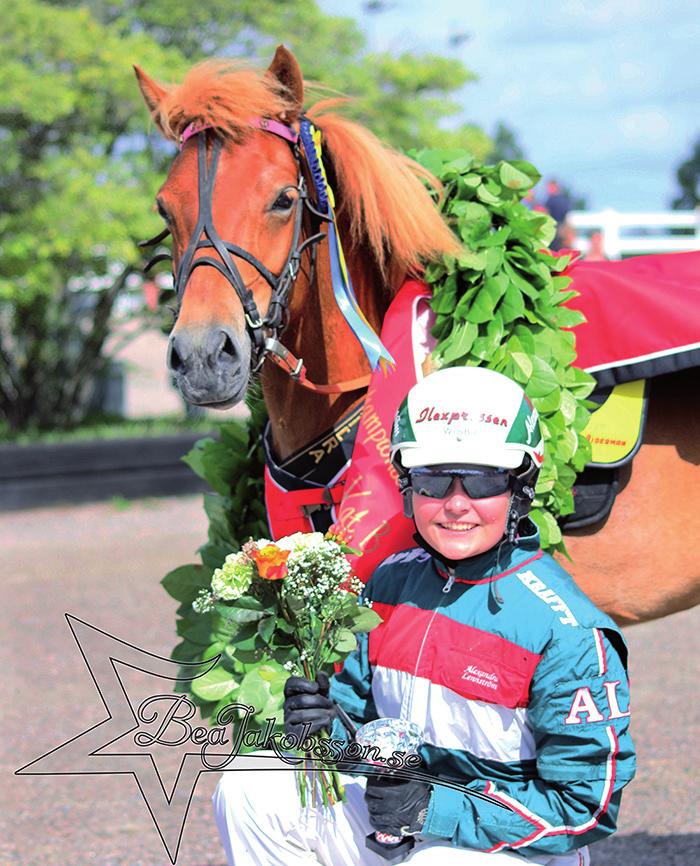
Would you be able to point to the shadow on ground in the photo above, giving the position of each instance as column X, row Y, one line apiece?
column 645, row 849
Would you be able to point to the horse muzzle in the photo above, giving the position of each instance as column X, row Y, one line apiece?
column 210, row 365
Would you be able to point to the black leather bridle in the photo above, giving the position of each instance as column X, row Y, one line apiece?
column 264, row 331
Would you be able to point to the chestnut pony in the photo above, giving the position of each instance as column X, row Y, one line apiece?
column 641, row 564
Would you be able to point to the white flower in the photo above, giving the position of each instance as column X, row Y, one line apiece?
column 232, row 580
column 204, row 601
column 263, row 542
column 300, row 541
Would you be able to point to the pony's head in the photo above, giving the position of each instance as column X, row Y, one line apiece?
column 234, row 202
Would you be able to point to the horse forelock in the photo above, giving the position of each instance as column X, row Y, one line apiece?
column 226, row 95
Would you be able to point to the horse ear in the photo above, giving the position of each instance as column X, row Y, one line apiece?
column 286, row 70
column 151, row 91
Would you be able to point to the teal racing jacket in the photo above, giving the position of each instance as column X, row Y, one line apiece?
column 520, row 685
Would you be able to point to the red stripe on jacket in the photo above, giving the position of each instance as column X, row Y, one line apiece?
column 473, row 663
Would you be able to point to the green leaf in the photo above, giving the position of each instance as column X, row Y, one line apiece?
column 470, row 259
column 213, row 685
column 513, row 178
column 266, row 628
column 523, row 365
column 567, row 318
column 461, row 342
column 249, row 602
column 344, row 640
column 198, row 631
column 445, row 300
column 548, row 526
column 186, row 651
column 365, row 619
column 497, row 238
column 274, row 674
column 486, row 195
column 568, row 406
column 473, row 217
column 183, row 583
column 512, row 306
column 484, row 303
column 232, row 613
column 254, row 690
column 528, row 169
column 495, row 257
column 543, row 380
column 549, row 403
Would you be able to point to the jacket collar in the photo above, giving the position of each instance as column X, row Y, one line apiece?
column 499, row 561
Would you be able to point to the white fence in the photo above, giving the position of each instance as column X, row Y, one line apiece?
column 631, row 234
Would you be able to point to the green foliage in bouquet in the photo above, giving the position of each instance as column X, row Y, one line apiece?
column 233, row 466
column 500, row 304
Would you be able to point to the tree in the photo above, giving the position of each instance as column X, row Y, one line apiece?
column 505, row 144
column 688, row 177
column 76, row 197
column 401, row 98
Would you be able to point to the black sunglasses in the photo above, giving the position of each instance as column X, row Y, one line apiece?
column 476, row 483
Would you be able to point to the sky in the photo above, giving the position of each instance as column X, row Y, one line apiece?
column 604, row 96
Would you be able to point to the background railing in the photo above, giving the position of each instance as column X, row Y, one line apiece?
column 631, row 234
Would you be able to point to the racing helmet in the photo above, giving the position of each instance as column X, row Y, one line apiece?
column 474, row 416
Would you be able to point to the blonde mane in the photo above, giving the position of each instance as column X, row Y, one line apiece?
column 381, row 194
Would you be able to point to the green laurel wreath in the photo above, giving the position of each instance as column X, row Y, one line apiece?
column 499, row 304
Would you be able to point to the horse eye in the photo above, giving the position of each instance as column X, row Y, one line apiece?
column 162, row 212
column 284, row 201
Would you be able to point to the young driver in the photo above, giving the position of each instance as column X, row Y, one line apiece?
column 518, row 681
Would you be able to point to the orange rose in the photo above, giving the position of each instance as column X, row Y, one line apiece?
column 271, row 562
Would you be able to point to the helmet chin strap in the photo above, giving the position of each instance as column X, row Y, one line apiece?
column 407, row 496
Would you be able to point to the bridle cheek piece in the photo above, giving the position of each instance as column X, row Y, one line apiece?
column 264, row 331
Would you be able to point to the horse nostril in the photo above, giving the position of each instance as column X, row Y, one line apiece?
column 228, row 348
column 174, row 360
column 221, row 346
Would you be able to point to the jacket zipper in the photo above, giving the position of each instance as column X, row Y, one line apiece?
column 446, row 588
column 407, row 706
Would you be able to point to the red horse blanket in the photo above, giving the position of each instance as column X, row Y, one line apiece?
column 643, row 319
column 642, row 316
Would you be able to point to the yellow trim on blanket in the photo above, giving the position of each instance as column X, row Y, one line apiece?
column 615, row 426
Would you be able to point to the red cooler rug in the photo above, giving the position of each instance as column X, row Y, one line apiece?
column 642, row 316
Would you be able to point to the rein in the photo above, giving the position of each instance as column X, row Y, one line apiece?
column 264, row 331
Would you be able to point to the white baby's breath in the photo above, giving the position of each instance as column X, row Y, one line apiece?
column 300, row 541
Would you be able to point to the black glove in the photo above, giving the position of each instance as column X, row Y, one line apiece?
column 397, row 806
column 307, row 703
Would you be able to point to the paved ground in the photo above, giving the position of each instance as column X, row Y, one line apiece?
column 103, row 563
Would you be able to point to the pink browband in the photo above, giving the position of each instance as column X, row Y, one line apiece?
column 264, row 123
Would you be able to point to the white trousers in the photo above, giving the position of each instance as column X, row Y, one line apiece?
column 262, row 823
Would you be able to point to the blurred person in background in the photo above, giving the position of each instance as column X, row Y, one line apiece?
column 558, row 206
column 596, row 249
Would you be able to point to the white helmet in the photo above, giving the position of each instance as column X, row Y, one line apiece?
column 466, row 415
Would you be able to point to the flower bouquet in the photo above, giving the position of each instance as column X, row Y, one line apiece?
column 292, row 608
